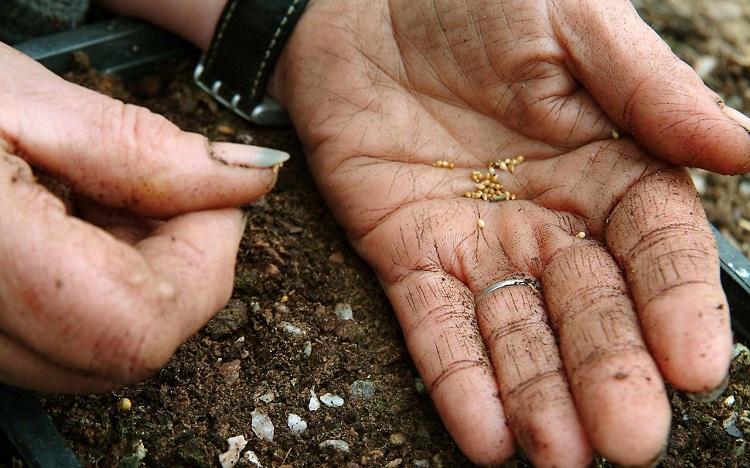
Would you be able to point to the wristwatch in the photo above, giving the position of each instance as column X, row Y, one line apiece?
column 248, row 40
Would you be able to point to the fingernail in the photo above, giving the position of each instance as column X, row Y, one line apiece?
column 737, row 116
column 710, row 395
column 233, row 154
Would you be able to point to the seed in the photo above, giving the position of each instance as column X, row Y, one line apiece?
column 480, row 223
column 581, row 235
column 615, row 134
column 124, row 404
column 519, row 159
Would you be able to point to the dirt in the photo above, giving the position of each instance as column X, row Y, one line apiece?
column 286, row 334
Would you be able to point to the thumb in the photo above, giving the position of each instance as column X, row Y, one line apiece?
column 121, row 155
column 653, row 95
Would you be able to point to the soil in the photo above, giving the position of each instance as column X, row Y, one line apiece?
column 286, row 331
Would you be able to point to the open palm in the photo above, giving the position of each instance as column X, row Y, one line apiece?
column 379, row 91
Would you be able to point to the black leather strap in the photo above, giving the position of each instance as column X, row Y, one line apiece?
column 247, row 42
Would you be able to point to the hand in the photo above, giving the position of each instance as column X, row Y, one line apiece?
column 379, row 91
column 93, row 303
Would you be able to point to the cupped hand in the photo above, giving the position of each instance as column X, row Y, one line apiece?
column 93, row 302
column 611, row 228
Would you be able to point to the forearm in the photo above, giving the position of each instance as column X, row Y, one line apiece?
column 194, row 20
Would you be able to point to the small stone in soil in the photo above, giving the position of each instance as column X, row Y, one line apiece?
column 334, row 445
column 262, row 426
column 362, row 389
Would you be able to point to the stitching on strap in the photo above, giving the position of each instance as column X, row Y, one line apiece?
column 220, row 35
column 271, row 45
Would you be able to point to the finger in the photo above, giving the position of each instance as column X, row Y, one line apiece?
column 523, row 348
column 647, row 90
column 91, row 304
column 24, row 368
column 123, row 155
column 122, row 224
column 437, row 317
column 619, row 390
column 660, row 237
column 533, row 387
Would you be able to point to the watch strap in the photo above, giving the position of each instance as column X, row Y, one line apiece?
column 248, row 40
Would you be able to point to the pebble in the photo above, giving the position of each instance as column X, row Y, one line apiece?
column 334, row 445
column 292, row 329
column 296, row 424
column 362, row 389
column 394, row 463
column 740, row 357
column 344, row 311
column 230, row 370
column 230, row 458
column 314, row 404
column 336, row 257
column 730, row 426
column 332, row 400
column 397, row 438
column 262, row 426
column 252, row 458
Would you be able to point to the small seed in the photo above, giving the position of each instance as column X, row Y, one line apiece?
column 480, row 223
column 581, row 235
column 124, row 404
column 615, row 134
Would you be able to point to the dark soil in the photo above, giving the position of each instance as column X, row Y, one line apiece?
column 295, row 269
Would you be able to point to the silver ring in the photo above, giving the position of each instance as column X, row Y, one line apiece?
column 532, row 283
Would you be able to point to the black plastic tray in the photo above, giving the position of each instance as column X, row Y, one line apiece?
column 129, row 47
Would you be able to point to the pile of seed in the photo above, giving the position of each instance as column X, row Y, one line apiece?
column 487, row 186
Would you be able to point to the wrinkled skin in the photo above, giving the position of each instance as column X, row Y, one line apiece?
column 380, row 90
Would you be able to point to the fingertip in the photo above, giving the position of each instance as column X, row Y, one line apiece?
column 691, row 338
column 476, row 421
column 626, row 412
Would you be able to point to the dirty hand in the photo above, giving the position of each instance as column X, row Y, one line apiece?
column 97, row 301
column 379, row 91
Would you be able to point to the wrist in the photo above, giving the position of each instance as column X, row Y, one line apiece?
column 249, row 38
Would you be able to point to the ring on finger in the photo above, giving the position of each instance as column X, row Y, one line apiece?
column 532, row 283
